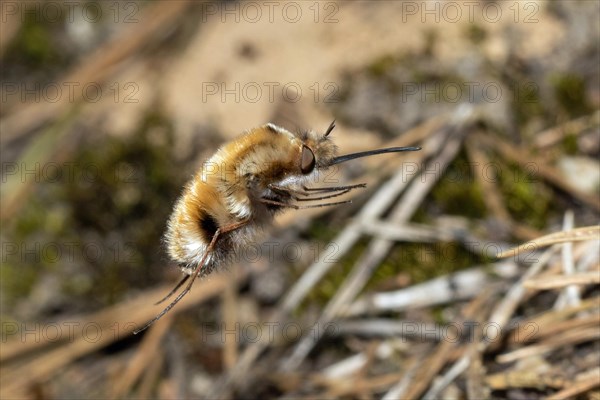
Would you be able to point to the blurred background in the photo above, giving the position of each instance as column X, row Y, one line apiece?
column 108, row 108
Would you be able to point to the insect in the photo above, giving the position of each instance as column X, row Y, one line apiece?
column 241, row 187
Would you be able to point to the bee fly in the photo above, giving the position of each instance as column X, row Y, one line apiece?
column 239, row 190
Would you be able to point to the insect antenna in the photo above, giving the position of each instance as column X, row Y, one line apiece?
column 331, row 126
column 194, row 275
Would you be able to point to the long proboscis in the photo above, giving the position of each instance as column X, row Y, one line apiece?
column 368, row 153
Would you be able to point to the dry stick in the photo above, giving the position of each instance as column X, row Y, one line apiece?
column 557, row 133
column 550, row 320
column 575, row 235
column 9, row 28
column 356, row 387
column 151, row 374
column 355, row 362
column 105, row 318
column 471, row 313
column 379, row 248
column 407, row 233
column 582, row 253
column 413, row 232
column 175, row 356
column 399, row 389
column 444, row 289
column 559, row 327
column 458, row 368
column 442, row 231
column 476, row 371
column 444, row 350
column 385, row 327
column 579, row 386
column 230, row 352
column 563, row 281
column 513, row 297
column 518, row 378
column 500, row 317
column 144, row 356
column 589, row 258
column 564, row 339
column 380, row 202
column 363, row 371
column 125, row 317
column 571, row 292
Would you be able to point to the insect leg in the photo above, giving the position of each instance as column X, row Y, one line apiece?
column 334, row 188
column 194, row 275
column 181, row 282
column 314, row 192
column 297, row 207
column 294, row 193
column 285, row 191
column 325, row 197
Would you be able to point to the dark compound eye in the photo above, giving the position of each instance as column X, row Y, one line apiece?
column 307, row 164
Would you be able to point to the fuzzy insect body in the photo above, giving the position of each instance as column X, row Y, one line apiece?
column 232, row 186
column 237, row 192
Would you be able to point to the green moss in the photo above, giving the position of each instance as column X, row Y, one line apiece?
column 382, row 65
column 570, row 144
column 425, row 261
column 475, row 33
column 457, row 191
column 32, row 47
column 34, row 43
column 570, row 93
column 320, row 231
column 17, row 281
column 526, row 197
column 526, row 103
column 430, row 37
column 30, row 218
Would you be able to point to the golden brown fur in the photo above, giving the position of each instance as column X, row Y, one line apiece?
column 232, row 187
